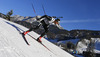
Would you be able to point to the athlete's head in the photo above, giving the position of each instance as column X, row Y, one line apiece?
column 57, row 21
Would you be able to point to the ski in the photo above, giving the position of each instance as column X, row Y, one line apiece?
column 18, row 29
column 45, row 47
column 25, row 39
column 39, row 42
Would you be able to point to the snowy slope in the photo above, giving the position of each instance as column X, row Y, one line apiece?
column 13, row 45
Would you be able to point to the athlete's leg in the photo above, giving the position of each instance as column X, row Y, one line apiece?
column 31, row 29
column 46, row 30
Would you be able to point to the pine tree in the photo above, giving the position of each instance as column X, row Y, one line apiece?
column 8, row 16
column 90, row 49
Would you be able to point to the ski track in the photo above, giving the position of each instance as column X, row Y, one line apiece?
column 13, row 45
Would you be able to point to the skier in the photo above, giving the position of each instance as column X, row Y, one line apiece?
column 45, row 21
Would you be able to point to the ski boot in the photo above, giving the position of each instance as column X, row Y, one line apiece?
column 24, row 33
column 39, row 39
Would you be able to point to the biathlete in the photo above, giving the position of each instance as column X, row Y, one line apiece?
column 45, row 21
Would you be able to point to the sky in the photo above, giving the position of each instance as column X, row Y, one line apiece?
column 77, row 14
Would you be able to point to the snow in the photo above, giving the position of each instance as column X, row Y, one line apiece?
column 13, row 45
column 82, row 45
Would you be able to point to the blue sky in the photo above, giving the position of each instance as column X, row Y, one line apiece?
column 77, row 14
